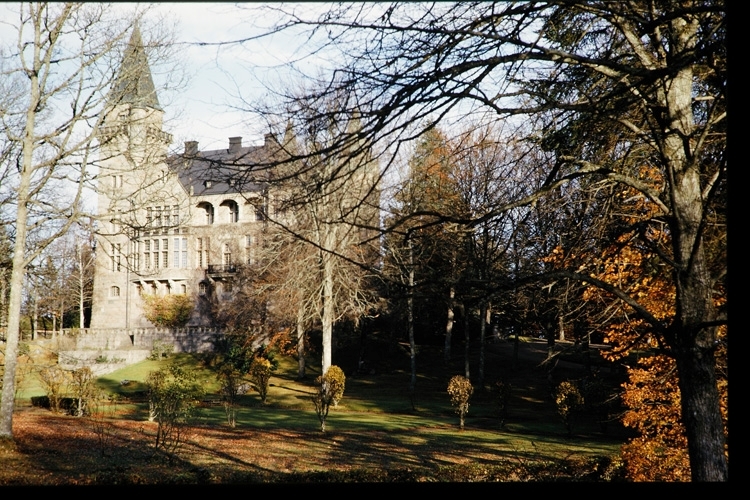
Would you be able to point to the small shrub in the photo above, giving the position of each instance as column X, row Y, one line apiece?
column 83, row 389
column 504, row 390
column 230, row 380
column 54, row 380
column 460, row 391
column 329, row 391
column 569, row 401
column 173, row 395
column 260, row 374
column 101, row 411
column 599, row 400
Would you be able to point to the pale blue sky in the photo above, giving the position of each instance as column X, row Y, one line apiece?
column 203, row 111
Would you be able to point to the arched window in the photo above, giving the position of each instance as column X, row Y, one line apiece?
column 202, row 288
column 209, row 211
column 231, row 209
column 114, row 291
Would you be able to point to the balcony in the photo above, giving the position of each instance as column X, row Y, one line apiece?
column 215, row 269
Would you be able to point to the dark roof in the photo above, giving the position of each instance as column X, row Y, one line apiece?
column 223, row 171
column 134, row 84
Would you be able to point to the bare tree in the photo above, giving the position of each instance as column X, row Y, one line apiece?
column 59, row 71
column 330, row 203
column 608, row 86
column 82, row 275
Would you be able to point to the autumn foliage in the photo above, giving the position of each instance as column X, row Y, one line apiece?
column 171, row 311
column 460, row 391
column 634, row 263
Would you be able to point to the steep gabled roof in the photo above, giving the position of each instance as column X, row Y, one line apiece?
column 222, row 171
column 134, row 84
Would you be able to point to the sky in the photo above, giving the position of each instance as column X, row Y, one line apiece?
column 219, row 77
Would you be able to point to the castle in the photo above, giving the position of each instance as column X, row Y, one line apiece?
column 171, row 225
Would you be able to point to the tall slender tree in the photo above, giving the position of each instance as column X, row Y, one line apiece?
column 58, row 72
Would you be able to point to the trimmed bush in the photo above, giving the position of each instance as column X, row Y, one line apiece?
column 329, row 391
column 460, row 391
column 569, row 401
column 260, row 374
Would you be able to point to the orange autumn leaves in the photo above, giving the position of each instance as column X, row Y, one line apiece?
column 633, row 262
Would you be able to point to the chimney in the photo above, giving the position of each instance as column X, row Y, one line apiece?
column 191, row 148
column 235, row 143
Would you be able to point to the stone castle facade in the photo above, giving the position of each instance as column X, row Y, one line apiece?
column 170, row 225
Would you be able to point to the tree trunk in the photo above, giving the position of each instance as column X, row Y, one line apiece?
column 412, row 345
column 699, row 396
column 327, row 316
column 561, row 327
column 449, row 324
column 7, row 399
column 466, row 341
column 516, row 345
column 35, row 313
column 550, row 332
column 485, row 315
column 81, row 285
column 694, row 342
column 300, row 343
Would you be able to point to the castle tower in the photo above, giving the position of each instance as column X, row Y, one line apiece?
column 133, row 171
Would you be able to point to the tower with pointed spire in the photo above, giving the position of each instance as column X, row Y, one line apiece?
column 133, row 153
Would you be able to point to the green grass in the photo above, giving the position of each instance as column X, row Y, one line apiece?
column 381, row 403
column 378, row 422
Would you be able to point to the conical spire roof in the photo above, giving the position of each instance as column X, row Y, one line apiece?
column 134, row 84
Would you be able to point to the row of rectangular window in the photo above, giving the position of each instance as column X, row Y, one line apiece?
column 156, row 253
column 157, row 217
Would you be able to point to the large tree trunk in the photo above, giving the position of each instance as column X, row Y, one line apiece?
column 703, row 424
column 14, row 321
column 693, row 340
column 327, row 316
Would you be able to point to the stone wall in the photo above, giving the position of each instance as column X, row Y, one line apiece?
column 105, row 350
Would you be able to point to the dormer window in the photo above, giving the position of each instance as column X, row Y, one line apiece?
column 208, row 184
